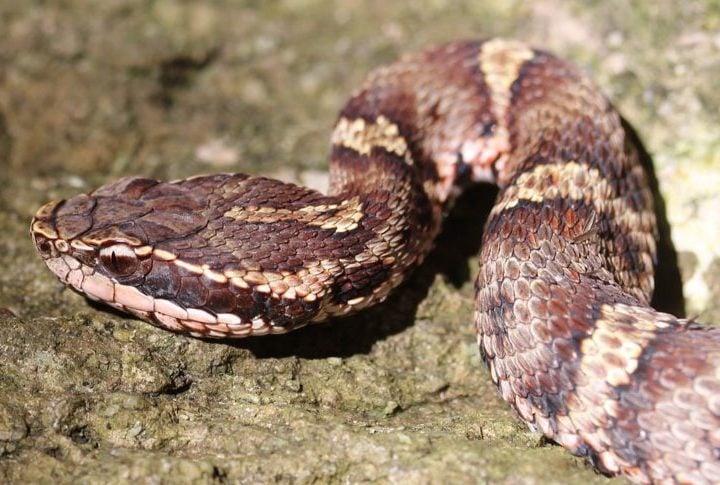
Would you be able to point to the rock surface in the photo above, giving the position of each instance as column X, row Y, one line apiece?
column 90, row 91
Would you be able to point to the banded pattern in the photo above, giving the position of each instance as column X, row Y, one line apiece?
column 566, row 266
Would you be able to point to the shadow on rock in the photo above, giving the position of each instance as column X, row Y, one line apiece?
column 668, row 296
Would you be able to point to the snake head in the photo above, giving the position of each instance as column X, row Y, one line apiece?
column 101, row 243
column 97, row 233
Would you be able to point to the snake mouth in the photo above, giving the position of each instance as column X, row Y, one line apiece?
column 52, row 248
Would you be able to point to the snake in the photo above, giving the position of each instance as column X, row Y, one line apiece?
column 567, row 258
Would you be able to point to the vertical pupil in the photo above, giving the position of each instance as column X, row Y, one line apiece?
column 119, row 259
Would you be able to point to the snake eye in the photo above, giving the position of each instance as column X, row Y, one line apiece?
column 119, row 259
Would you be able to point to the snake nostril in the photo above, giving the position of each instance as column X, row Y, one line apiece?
column 44, row 247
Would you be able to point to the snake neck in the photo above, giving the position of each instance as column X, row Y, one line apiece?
column 406, row 152
column 397, row 148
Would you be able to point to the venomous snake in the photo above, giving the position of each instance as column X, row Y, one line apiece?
column 566, row 265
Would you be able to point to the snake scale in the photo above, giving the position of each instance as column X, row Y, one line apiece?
column 566, row 266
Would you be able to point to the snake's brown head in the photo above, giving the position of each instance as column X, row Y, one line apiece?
column 91, row 241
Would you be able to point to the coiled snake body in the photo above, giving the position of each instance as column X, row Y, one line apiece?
column 566, row 272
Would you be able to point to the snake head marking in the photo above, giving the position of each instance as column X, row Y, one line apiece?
column 112, row 229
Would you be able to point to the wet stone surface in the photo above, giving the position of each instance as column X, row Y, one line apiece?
column 171, row 89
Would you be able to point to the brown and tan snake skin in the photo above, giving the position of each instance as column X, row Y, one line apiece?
column 566, row 267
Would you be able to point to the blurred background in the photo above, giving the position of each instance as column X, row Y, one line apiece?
column 93, row 90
